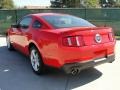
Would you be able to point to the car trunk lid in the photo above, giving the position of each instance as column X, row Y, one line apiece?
column 86, row 36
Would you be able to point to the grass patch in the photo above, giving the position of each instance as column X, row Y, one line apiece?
column 117, row 37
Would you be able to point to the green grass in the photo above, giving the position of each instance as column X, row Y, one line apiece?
column 117, row 37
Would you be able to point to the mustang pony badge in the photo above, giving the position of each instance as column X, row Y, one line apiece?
column 98, row 38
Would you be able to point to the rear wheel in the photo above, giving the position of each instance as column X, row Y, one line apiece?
column 9, row 45
column 36, row 60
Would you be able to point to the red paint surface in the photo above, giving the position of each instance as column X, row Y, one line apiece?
column 50, row 42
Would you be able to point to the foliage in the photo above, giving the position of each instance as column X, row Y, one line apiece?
column 6, row 4
column 56, row 3
column 91, row 3
column 110, row 3
column 85, row 3
column 75, row 3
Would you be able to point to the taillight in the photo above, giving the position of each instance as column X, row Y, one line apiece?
column 111, row 36
column 73, row 41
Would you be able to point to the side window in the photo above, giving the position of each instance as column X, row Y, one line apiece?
column 25, row 22
column 36, row 24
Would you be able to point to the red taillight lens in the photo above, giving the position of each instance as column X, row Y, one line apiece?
column 111, row 36
column 73, row 41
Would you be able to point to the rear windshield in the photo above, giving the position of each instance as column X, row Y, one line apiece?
column 66, row 21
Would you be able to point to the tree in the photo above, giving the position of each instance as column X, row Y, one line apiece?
column 6, row 4
column 72, row 3
column 75, row 3
column 91, row 3
column 115, row 3
column 56, row 3
column 109, row 3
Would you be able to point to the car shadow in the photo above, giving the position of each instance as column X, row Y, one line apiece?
column 74, row 81
column 16, row 74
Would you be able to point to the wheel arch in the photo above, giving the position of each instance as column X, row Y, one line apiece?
column 33, row 44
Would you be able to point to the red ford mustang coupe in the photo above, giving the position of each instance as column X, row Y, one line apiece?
column 62, row 41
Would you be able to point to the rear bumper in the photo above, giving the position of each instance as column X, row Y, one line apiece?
column 84, row 65
column 63, row 56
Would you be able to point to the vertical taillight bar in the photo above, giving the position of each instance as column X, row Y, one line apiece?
column 77, row 41
column 74, row 41
column 111, row 36
column 69, row 41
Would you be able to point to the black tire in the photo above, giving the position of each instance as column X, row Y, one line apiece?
column 40, row 67
column 9, row 45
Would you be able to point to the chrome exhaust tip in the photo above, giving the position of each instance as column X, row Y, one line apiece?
column 74, row 71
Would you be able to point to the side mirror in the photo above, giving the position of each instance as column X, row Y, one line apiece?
column 15, row 26
column 24, row 26
column 37, row 25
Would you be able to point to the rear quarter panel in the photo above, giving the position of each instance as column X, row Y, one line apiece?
column 47, row 42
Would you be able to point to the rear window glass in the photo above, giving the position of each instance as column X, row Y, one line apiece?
column 66, row 21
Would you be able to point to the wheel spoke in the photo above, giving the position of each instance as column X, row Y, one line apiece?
column 35, row 60
column 36, row 66
column 33, row 52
